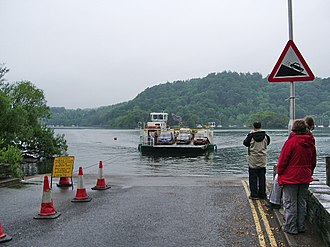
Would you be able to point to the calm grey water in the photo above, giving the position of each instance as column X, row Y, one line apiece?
column 121, row 156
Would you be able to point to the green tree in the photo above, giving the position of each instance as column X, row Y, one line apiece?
column 269, row 119
column 3, row 71
column 23, row 120
column 13, row 156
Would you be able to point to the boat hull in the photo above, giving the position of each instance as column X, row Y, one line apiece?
column 176, row 149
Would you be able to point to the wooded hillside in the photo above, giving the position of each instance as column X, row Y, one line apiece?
column 227, row 98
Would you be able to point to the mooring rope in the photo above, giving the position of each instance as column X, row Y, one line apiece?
column 90, row 166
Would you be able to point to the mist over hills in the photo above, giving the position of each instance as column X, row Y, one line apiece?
column 227, row 98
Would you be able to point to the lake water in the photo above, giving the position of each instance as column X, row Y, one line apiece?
column 118, row 151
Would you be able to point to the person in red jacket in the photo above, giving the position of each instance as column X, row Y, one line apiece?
column 275, row 196
column 295, row 168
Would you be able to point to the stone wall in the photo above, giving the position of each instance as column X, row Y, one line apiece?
column 318, row 208
column 5, row 171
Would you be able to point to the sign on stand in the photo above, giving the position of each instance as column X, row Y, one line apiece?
column 291, row 66
column 63, row 167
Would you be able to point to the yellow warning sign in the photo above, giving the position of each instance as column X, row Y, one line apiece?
column 63, row 166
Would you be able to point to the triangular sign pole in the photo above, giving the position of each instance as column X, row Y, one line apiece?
column 292, row 70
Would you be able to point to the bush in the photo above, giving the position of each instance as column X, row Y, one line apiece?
column 13, row 156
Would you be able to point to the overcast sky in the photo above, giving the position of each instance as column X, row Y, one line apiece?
column 91, row 53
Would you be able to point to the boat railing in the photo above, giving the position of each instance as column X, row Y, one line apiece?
column 147, row 141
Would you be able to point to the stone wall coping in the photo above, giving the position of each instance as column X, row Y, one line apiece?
column 321, row 192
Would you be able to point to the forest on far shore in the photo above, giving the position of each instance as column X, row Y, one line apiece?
column 229, row 99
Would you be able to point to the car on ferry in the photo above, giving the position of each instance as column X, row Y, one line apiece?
column 183, row 138
column 165, row 138
column 200, row 138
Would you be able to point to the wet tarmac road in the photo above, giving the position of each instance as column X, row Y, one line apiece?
column 141, row 211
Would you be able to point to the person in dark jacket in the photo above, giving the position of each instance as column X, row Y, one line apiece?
column 257, row 141
column 295, row 168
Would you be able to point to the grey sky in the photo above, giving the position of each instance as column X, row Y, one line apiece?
column 91, row 53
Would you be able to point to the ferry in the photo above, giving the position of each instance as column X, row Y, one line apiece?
column 157, row 138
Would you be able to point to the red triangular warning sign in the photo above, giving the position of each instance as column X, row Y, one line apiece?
column 291, row 66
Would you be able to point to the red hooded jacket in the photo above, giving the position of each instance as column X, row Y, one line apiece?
column 297, row 160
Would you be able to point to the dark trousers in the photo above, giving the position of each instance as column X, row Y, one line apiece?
column 257, row 181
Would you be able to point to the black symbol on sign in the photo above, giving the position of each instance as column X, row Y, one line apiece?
column 294, row 69
column 297, row 66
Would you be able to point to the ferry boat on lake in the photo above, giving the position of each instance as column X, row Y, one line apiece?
column 157, row 138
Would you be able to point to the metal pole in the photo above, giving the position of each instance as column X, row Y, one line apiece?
column 327, row 160
column 290, row 20
column 292, row 105
column 292, row 87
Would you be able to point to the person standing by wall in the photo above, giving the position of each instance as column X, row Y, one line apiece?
column 257, row 141
column 295, row 168
column 275, row 196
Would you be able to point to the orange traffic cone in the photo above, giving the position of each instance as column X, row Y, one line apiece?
column 3, row 236
column 64, row 182
column 81, row 195
column 100, row 183
column 47, row 210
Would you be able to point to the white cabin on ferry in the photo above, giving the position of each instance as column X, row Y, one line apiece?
column 158, row 120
